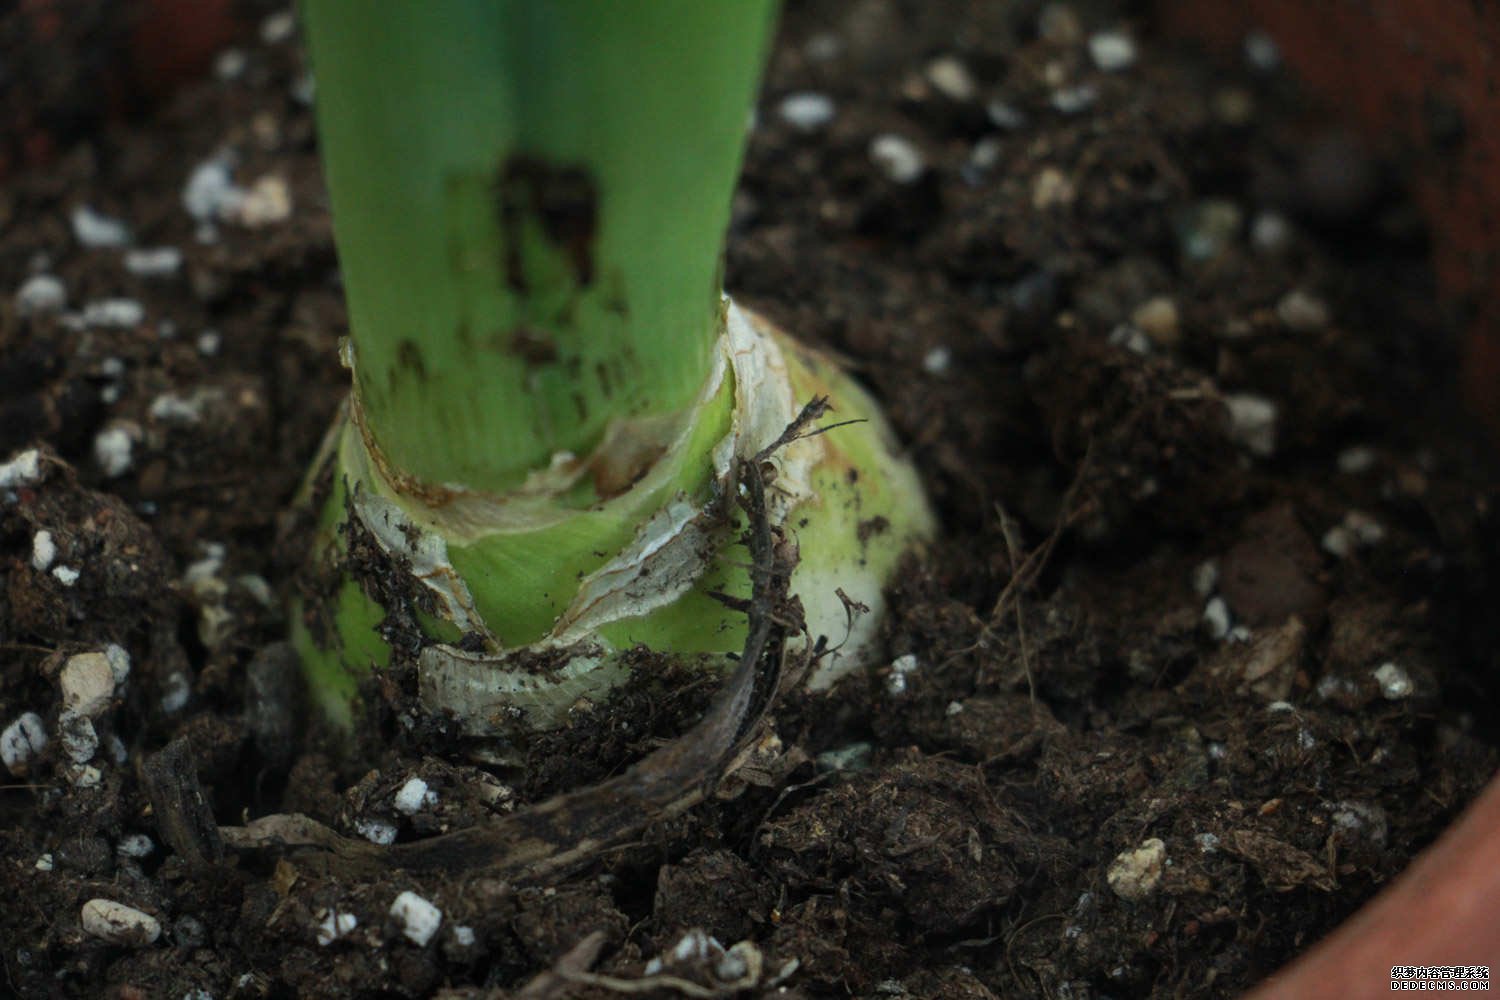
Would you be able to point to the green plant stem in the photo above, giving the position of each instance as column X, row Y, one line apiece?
column 530, row 202
column 551, row 397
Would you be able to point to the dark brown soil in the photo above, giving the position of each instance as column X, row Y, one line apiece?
column 1139, row 747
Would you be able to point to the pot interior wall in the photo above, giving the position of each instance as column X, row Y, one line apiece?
column 1421, row 81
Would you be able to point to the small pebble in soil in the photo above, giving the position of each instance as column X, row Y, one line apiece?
column 189, row 932
column 1005, row 116
column 268, row 201
column 694, row 946
column 806, row 111
column 135, row 845
column 230, row 64
column 901, row 667
column 1133, row 875
column 98, row 231
column 1395, row 683
column 335, row 925
column 1357, row 530
column 823, row 46
column 210, row 192
column 1252, row 423
column 1337, row 542
column 1216, row 618
column 119, row 924
column 1361, row 819
column 1157, row 318
column 84, row 775
column 1356, row 460
column 121, row 314
column 1337, row 689
column 1302, row 312
column 1112, row 51
column 951, row 78
column 172, row 407
column 376, row 831
column 1206, row 229
column 1366, row 530
column 1131, row 339
column 1074, row 99
column 115, row 747
column 1270, row 233
column 1205, row 577
column 897, row 158
column 87, row 684
column 153, row 262
column 43, row 550
column 42, row 293
column 418, row 919
column 986, row 154
column 44, row 863
column 175, row 692
column 22, row 742
column 1051, row 188
column 413, row 797
column 77, row 736
column 278, row 27
column 209, row 343
column 1208, row 843
column 1261, row 51
column 305, row 89
column 854, row 757
column 937, row 361
column 202, row 576
column 738, row 962
column 256, row 586
column 119, row 662
column 65, row 575
column 22, row 470
column 112, row 447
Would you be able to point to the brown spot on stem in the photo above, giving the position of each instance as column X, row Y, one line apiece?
column 565, row 203
column 615, row 470
column 615, row 301
column 532, row 345
column 409, row 357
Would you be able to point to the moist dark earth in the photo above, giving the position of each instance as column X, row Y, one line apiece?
column 1203, row 657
